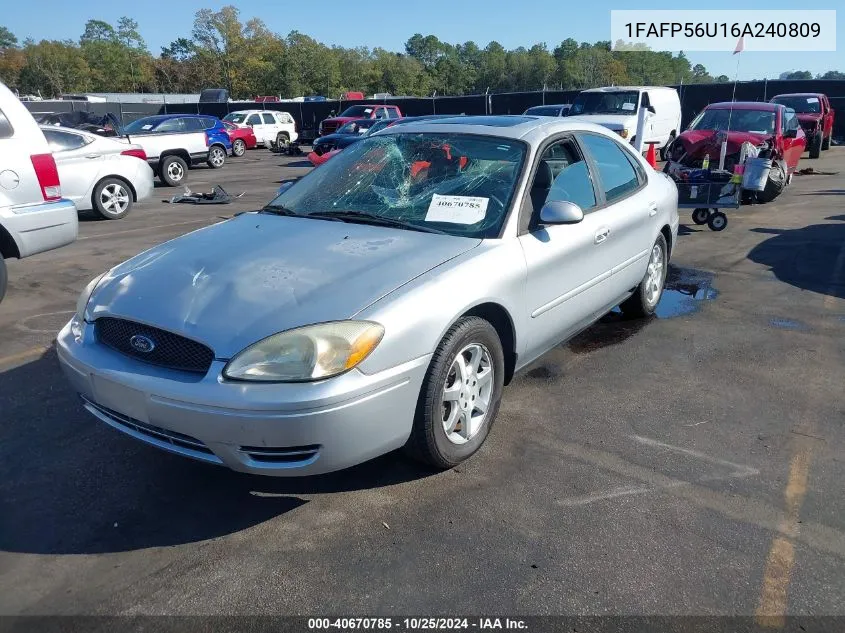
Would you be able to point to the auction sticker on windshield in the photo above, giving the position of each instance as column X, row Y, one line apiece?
column 456, row 209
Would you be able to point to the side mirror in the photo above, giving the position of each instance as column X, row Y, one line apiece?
column 561, row 212
column 790, row 134
column 651, row 109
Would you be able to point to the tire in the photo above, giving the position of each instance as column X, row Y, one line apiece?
column 216, row 156
column 826, row 142
column 238, row 147
column 172, row 171
column 775, row 183
column 112, row 199
column 816, row 145
column 700, row 216
column 4, row 277
column 644, row 301
column 471, row 337
column 718, row 222
column 282, row 140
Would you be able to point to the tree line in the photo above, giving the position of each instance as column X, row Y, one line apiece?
column 249, row 60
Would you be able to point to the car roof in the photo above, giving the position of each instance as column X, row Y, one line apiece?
column 533, row 129
column 626, row 88
column 745, row 105
column 799, row 94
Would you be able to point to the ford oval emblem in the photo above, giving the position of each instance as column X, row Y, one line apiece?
column 142, row 344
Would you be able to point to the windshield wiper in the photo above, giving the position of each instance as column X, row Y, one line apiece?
column 370, row 218
column 277, row 209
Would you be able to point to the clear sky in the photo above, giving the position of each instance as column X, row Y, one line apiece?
column 511, row 22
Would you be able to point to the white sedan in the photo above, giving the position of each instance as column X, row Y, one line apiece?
column 104, row 174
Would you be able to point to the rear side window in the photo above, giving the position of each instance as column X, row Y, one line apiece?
column 393, row 113
column 6, row 130
column 209, row 124
column 269, row 118
column 253, row 119
column 194, row 125
column 170, row 125
column 617, row 175
column 60, row 141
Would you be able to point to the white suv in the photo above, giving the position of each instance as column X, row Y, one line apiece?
column 268, row 125
column 33, row 215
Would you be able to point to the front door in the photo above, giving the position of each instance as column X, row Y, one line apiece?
column 254, row 121
column 566, row 264
column 793, row 146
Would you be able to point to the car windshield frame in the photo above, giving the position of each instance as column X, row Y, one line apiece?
column 587, row 103
column 790, row 102
column 343, row 185
column 740, row 120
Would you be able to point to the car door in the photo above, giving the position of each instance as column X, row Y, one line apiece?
column 79, row 165
column 272, row 127
column 828, row 117
column 566, row 264
column 628, row 212
column 794, row 141
column 254, row 121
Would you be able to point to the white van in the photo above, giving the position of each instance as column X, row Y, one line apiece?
column 33, row 215
column 617, row 108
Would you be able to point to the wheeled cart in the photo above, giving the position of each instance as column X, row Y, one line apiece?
column 709, row 199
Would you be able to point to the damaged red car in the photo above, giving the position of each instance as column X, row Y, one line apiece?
column 772, row 128
column 815, row 116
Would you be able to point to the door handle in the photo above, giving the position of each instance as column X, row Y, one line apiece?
column 601, row 235
column 652, row 209
column 92, row 155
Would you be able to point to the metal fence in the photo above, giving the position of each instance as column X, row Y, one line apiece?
column 694, row 98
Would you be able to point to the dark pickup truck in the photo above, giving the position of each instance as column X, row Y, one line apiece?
column 815, row 116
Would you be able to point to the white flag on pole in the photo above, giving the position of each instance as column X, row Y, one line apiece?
column 740, row 45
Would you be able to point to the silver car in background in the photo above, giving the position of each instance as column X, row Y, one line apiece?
column 380, row 302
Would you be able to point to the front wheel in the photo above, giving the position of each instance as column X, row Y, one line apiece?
column 238, row 147
column 816, row 145
column 774, row 185
column 216, row 157
column 173, row 170
column 644, row 301
column 112, row 199
column 826, row 141
column 460, row 395
column 718, row 221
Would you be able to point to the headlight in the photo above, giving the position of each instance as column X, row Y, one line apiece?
column 308, row 353
column 82, row 302
column 623, row 132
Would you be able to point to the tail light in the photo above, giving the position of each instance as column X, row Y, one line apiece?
column 48, row 176
column 137, row 153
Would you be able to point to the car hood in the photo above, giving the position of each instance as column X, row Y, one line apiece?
column 612, row 121
column 696, row 143
column 340, row 120
column 239, row 281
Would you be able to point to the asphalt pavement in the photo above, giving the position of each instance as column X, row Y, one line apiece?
column 691, row 463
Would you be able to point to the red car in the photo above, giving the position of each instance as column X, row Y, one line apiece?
column 328, row 126
column 815, row 115
column 243, row 138
column 771, row 127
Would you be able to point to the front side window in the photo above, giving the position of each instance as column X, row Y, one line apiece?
column 790, row 120
column 562, row 175
column 618, row 177
column 458, row 184
column 60, row 141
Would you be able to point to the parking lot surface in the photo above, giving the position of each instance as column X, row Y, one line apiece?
column 691, row 463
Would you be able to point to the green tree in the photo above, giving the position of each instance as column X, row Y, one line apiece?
column 7, row 38
column 54, row 68
column 832, row 74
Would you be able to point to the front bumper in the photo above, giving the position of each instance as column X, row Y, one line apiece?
column 291, row 429
column 40, row 227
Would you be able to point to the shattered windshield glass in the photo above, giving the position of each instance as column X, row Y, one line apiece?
column 459, row 184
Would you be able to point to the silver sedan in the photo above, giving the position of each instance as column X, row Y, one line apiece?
column 383, row 301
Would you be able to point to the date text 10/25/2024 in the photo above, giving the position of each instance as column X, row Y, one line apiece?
column 416, row 624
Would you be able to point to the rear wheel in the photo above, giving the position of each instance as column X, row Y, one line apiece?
column 216, row 157
column 112, row 199
column 238, row 147
column 173, row 170
column 647, row 295
column 775, row 183
column 282, row 140
column 460, row 396
column 816, row 145
column 3, row 277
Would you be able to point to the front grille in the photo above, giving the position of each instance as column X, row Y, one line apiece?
column 282, row 455
column 168, row 350
column 329, row 128
column 124, row 422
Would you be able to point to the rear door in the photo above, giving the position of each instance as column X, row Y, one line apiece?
column 79, row 164
column 272, row 127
